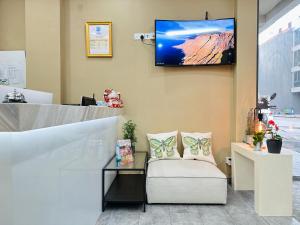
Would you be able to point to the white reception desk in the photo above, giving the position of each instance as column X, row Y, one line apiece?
column 51, row 158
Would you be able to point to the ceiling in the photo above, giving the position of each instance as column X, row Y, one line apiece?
column 266, row 6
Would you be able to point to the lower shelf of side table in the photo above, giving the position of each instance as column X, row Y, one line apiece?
column 126, row 188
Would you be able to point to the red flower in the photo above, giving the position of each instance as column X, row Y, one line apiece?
column 271, row 122
column 276, row 127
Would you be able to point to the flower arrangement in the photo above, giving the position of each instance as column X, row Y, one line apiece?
column 273, row 130
column 275, row 142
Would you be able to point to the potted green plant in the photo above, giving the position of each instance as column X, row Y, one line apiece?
column 129, row 133
column 274, row 143
column 258, row 138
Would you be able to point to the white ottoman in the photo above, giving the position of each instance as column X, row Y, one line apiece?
column 185, row 181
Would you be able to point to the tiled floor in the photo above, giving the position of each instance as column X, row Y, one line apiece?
column 238, row 211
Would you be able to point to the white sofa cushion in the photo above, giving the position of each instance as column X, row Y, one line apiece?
column 163, row 145
column 184, row 168
column 185, row 181
column 198, row 146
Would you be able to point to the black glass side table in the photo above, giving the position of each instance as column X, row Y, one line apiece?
column 126, row 188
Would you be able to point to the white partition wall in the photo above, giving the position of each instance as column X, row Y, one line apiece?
column 52, row 176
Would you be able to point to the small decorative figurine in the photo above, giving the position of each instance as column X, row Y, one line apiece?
column 113, row 98
column 14, row 97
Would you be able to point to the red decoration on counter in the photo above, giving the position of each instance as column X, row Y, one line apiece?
column 113, row 98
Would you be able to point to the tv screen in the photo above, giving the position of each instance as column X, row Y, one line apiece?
column 194, row 42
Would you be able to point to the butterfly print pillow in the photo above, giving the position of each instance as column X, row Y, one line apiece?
column 163, row 145
column 198, row 146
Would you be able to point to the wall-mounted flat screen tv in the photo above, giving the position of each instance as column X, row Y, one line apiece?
column 194, row 42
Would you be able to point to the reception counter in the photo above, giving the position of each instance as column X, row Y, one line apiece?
column 22, row 117
column 51, row 158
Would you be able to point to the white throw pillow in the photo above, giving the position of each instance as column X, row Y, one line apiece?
column 197, row 146
column 163, row 145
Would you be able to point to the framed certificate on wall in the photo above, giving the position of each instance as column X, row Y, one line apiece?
column 98, row 37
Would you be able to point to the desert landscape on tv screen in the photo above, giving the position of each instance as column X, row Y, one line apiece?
column 195, row 42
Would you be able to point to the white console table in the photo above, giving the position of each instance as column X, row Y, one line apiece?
column 269, row 175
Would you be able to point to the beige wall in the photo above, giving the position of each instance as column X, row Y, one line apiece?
column 12, row 25
column 34, row 26
column 43, row 49
column 158, row 99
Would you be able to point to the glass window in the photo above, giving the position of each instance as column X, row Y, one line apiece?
column 297, row 79
column 297, row 58
column 279, row 71
column 297, row 36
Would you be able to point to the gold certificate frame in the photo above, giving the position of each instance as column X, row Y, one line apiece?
column 98, row 37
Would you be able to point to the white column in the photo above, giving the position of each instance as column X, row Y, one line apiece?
column 43, row 46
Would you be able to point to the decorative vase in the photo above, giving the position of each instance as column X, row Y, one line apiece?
column 274, row 146
column 258, row 146
column 248, row 139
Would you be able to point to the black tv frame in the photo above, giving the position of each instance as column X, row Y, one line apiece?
column 220, row 64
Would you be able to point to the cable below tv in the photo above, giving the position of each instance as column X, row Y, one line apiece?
column 206, row 15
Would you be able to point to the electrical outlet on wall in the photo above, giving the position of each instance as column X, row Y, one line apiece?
column 147, row 36
column 137, row 36
column 228, row 161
